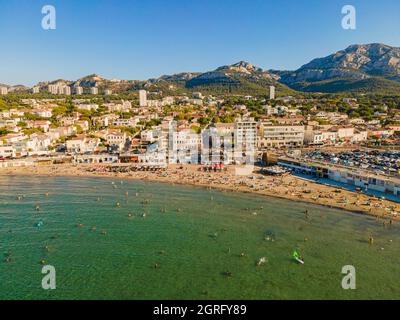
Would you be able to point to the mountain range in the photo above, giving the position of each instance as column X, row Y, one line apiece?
column 369, row 68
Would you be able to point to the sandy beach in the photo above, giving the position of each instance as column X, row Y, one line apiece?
column 287, row 187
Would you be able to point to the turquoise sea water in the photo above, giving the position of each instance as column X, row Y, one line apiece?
column 188, row 245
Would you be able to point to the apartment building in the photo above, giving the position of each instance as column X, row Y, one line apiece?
column 245, row 134
column 280, row 136
column 3, row 90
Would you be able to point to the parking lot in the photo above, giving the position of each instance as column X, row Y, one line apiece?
column 380, row 162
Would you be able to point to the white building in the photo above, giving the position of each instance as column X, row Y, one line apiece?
column 82, row 144
column 94, row 90
column 142, row 98
column 217, row 144
column 59, row 89
column 38, row 142
column 78, row 90
column 53, row 88
column 359, row 136
column 35, row 90
column 107, row 92
column 278, row 136
column 245, row 140
column 319, row 137
column 271, row 92
column 3, row 90
column 7, row 152
column 121, row 122
column 115, row 138
column 185, row 147
column 43, row 113
column 66, row 90
column 87, row 107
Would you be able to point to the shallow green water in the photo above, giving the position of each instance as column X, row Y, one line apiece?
column 195, row 242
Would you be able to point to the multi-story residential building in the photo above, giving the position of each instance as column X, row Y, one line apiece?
column 319, row 137
column 9, row 123
column 43, row 113
column 35, row 90
column 59, row 132
column 116, row 138
column 344, row 133
column 245, row 140
column 53, row 88
column 280, row 136
column 66, row 121
column 12, row 113
column 7, row 151
column 78, row 90
column 66, row 90
column 185, row 147
column 142, row 98
column 124, row 106
column 271, row 92
column 82, row 144
column 87, row 107
column 359, row 136
column 217, row 144
column 40, row 124
column 107, row 92
column 121, row 122
column 12, row 138
column 150, row 136
column 94, row 90
column 59, row 89
column 3, row 90
column 38, row 142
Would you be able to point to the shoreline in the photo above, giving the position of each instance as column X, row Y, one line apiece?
column 287, row 188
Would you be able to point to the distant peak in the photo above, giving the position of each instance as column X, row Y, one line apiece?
column 93, row 76
column 241, row 66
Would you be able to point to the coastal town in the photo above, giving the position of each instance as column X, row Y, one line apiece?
column 173, row 154
column 256, row 142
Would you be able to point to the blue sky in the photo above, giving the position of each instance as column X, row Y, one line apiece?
column 143, row 39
